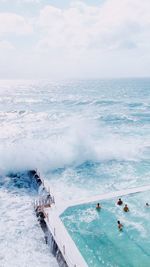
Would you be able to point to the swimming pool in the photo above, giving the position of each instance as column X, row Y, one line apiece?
column 98, row 238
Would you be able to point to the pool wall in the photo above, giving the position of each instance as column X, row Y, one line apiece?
column 61, row 244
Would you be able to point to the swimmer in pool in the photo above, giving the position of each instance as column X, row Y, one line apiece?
column 126, row 209
column 98, row 207
column 120, row 202
column 120, row 226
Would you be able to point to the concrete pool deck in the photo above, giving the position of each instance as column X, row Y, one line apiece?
column 111, row 195
column 62, row 238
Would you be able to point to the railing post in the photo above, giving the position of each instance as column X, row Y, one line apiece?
column 64, row 249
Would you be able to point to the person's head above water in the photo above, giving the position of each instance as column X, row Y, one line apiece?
column 120, row 225
column 120, row 202
column 98, row 206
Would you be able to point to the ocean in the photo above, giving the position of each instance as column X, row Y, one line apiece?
column 86, row 137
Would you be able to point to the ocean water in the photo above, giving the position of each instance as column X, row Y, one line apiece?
column 85, row 137
column 21, row 239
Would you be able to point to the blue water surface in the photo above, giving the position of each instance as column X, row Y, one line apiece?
column 97, row 236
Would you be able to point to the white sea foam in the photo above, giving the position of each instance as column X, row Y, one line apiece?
column 82, row 141
column 21, row 239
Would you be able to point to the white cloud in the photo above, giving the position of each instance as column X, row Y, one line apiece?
column 13, row 23
column 5, row 45
column 81, row 40
column 115, row 24
column 20, row 1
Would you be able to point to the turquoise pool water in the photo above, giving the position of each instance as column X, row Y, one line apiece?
column 98, row 238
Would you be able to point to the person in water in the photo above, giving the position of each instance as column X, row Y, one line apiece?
column 147, row 205
column 120, row 202
column 126, row 209
column 98, row 207
column 120, row 226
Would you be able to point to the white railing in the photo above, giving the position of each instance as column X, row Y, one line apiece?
column 44, row 202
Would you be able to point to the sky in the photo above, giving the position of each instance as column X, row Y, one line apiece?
column 60, row 39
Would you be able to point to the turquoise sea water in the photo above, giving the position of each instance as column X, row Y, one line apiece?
column 86, row 137
column 97, row 236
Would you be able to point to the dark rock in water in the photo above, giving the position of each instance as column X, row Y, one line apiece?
column 13, row 175
column 32, row 172
column 36, row 176
column 39, row 182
